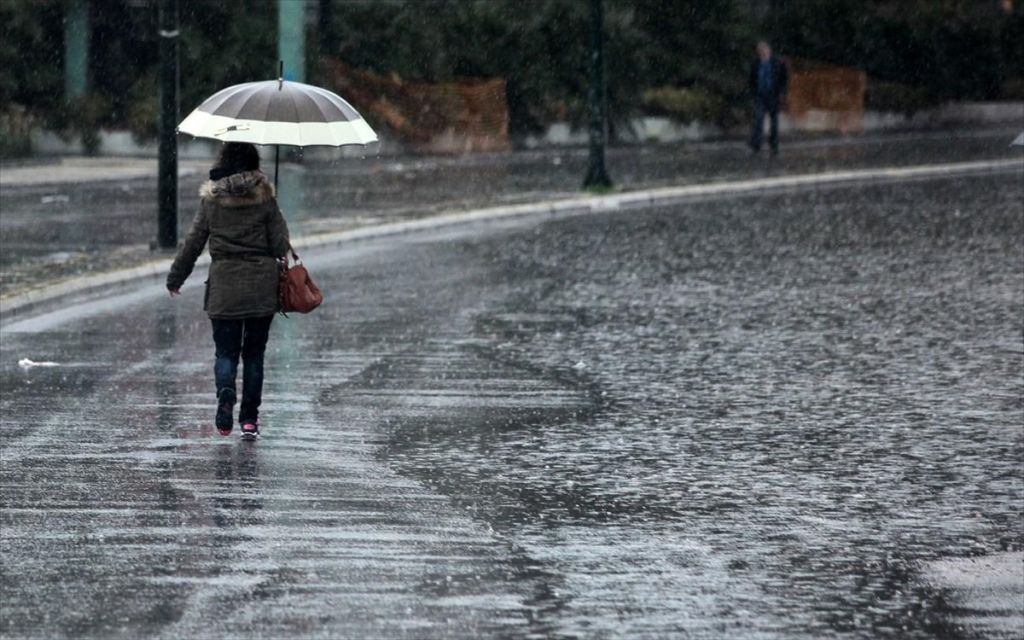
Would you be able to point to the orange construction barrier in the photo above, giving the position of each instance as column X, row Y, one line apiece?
column 824, row 97
column 447, row 117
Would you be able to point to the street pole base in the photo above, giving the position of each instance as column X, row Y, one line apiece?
column 597, row 179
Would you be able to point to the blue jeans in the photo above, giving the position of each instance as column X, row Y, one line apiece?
column 761, row 108
column 246, row 338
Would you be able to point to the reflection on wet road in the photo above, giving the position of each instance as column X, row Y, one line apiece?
column 750, row 417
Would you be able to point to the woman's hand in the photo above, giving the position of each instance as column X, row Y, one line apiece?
column 174, row 292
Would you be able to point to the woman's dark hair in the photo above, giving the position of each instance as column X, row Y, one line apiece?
column 235, row 157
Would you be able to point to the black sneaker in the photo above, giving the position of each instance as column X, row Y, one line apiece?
column 225, row 411
column 250, row 430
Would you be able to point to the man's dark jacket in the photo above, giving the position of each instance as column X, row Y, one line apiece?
column 779, row 84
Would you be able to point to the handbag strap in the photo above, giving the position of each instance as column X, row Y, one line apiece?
column 295, row 256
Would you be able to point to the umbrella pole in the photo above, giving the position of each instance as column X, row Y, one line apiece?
column 277, row 147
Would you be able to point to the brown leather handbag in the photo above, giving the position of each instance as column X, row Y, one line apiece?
column 298, row 291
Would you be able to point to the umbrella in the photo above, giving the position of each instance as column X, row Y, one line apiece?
column 278, row 112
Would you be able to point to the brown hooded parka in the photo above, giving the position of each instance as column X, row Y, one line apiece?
column 247, row 233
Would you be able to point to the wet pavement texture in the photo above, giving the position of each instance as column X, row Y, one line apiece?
column 52, row 232
column 748, row 417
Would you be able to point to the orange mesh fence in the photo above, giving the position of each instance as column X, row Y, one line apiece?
column 447, row 117
column 826, row 97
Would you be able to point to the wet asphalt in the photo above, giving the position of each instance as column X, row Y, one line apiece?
column 742, row 417
column 53, row 231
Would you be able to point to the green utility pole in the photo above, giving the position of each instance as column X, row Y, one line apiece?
column 76, row 49
column 291, row 38
column 167, row 172
column 596, row 174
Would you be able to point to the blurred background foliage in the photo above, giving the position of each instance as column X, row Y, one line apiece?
column 938, row 50
column 540, row 49
column 683, row 58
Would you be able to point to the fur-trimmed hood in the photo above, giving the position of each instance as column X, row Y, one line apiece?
column 243, row 189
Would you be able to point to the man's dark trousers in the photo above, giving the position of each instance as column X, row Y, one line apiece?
column 768, row 83
column 246, row 338
column 770, row 108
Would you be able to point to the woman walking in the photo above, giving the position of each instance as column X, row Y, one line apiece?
column 239, row 216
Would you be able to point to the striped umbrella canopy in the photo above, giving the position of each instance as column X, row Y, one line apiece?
column 278, row 112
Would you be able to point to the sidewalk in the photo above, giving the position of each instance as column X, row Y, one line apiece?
column 69, row 171
column 89, row 216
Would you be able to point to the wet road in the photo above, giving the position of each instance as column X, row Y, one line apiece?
column 752, row 417
column 55, row 231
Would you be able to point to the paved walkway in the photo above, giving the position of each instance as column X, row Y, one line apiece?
column 71, row 171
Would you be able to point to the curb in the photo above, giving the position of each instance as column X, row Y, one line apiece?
column 107, row 170
column 19, row 304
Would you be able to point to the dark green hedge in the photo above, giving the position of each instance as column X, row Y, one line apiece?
column 917, row 52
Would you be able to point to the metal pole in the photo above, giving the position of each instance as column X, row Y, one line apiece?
column 596, row 174
column 167, row 173
column 291, row 37
column 76, row 49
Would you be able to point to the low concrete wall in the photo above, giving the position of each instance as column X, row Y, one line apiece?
column 640, row 131
column 652, row 129
column 960, row 113
column 115, row 143
column 122, row 144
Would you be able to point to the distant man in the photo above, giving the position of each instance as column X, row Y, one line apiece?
column 768, row 83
